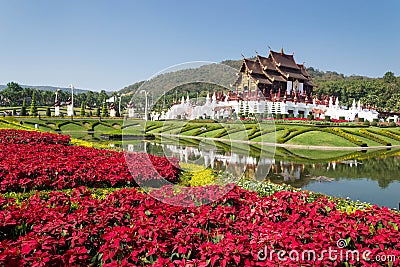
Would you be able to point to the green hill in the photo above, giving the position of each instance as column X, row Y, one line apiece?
column 382, row 92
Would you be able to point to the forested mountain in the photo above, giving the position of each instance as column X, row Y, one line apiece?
column 381, row 92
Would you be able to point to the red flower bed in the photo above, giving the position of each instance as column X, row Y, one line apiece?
column 11, row 136
column 128, row 228
column 36, row 161
column 340, row 121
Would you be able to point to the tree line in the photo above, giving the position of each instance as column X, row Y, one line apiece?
column 14, row 95
column 382, row 93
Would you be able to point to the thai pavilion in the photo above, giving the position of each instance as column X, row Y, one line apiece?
column 277, row 75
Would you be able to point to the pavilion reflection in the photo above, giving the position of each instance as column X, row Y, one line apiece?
column 277, row 169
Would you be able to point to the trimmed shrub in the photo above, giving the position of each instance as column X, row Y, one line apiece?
column 327, row 118
column 386, row 133
column 364, row 133
column 347, row 136
column 290, row 133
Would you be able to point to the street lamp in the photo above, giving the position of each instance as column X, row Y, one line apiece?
column 72, row 96
column 146, row 103
column 119, row 103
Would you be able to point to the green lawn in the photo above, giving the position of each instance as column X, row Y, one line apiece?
column 317, row 138
column 237, row 131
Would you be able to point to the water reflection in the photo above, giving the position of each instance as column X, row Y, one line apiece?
column 211, row 156
column 367, row 176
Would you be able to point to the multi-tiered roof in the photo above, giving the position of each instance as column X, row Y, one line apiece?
column 277, row 67
column 273, row 75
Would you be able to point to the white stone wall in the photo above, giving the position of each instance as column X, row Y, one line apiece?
column 216, row 110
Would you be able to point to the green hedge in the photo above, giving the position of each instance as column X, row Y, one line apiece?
column 290, row 133
column 386, row 133
column 208, row 129
column 347, row 136
column 189, row 127
column 364, row 133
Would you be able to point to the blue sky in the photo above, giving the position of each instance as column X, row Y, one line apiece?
column 99, row 44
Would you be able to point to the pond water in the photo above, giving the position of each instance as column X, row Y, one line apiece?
column 371, row 176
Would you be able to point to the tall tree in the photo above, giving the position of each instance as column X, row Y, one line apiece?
column 23, row 108
column 14, row 87
column 33, row 110
column 83, row 109
column 389, row 77
column 104, row 109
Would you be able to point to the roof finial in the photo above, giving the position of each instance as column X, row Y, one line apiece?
column 282, row 50
column 269, row 47
column 256, row 52
column 243, row 56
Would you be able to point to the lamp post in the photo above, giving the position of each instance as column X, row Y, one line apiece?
column 72, row 96
column 146, row 103
column 71, row 110
column 119, row 104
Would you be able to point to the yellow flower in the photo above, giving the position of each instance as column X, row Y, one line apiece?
column 199, row 175
column 78, row 142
